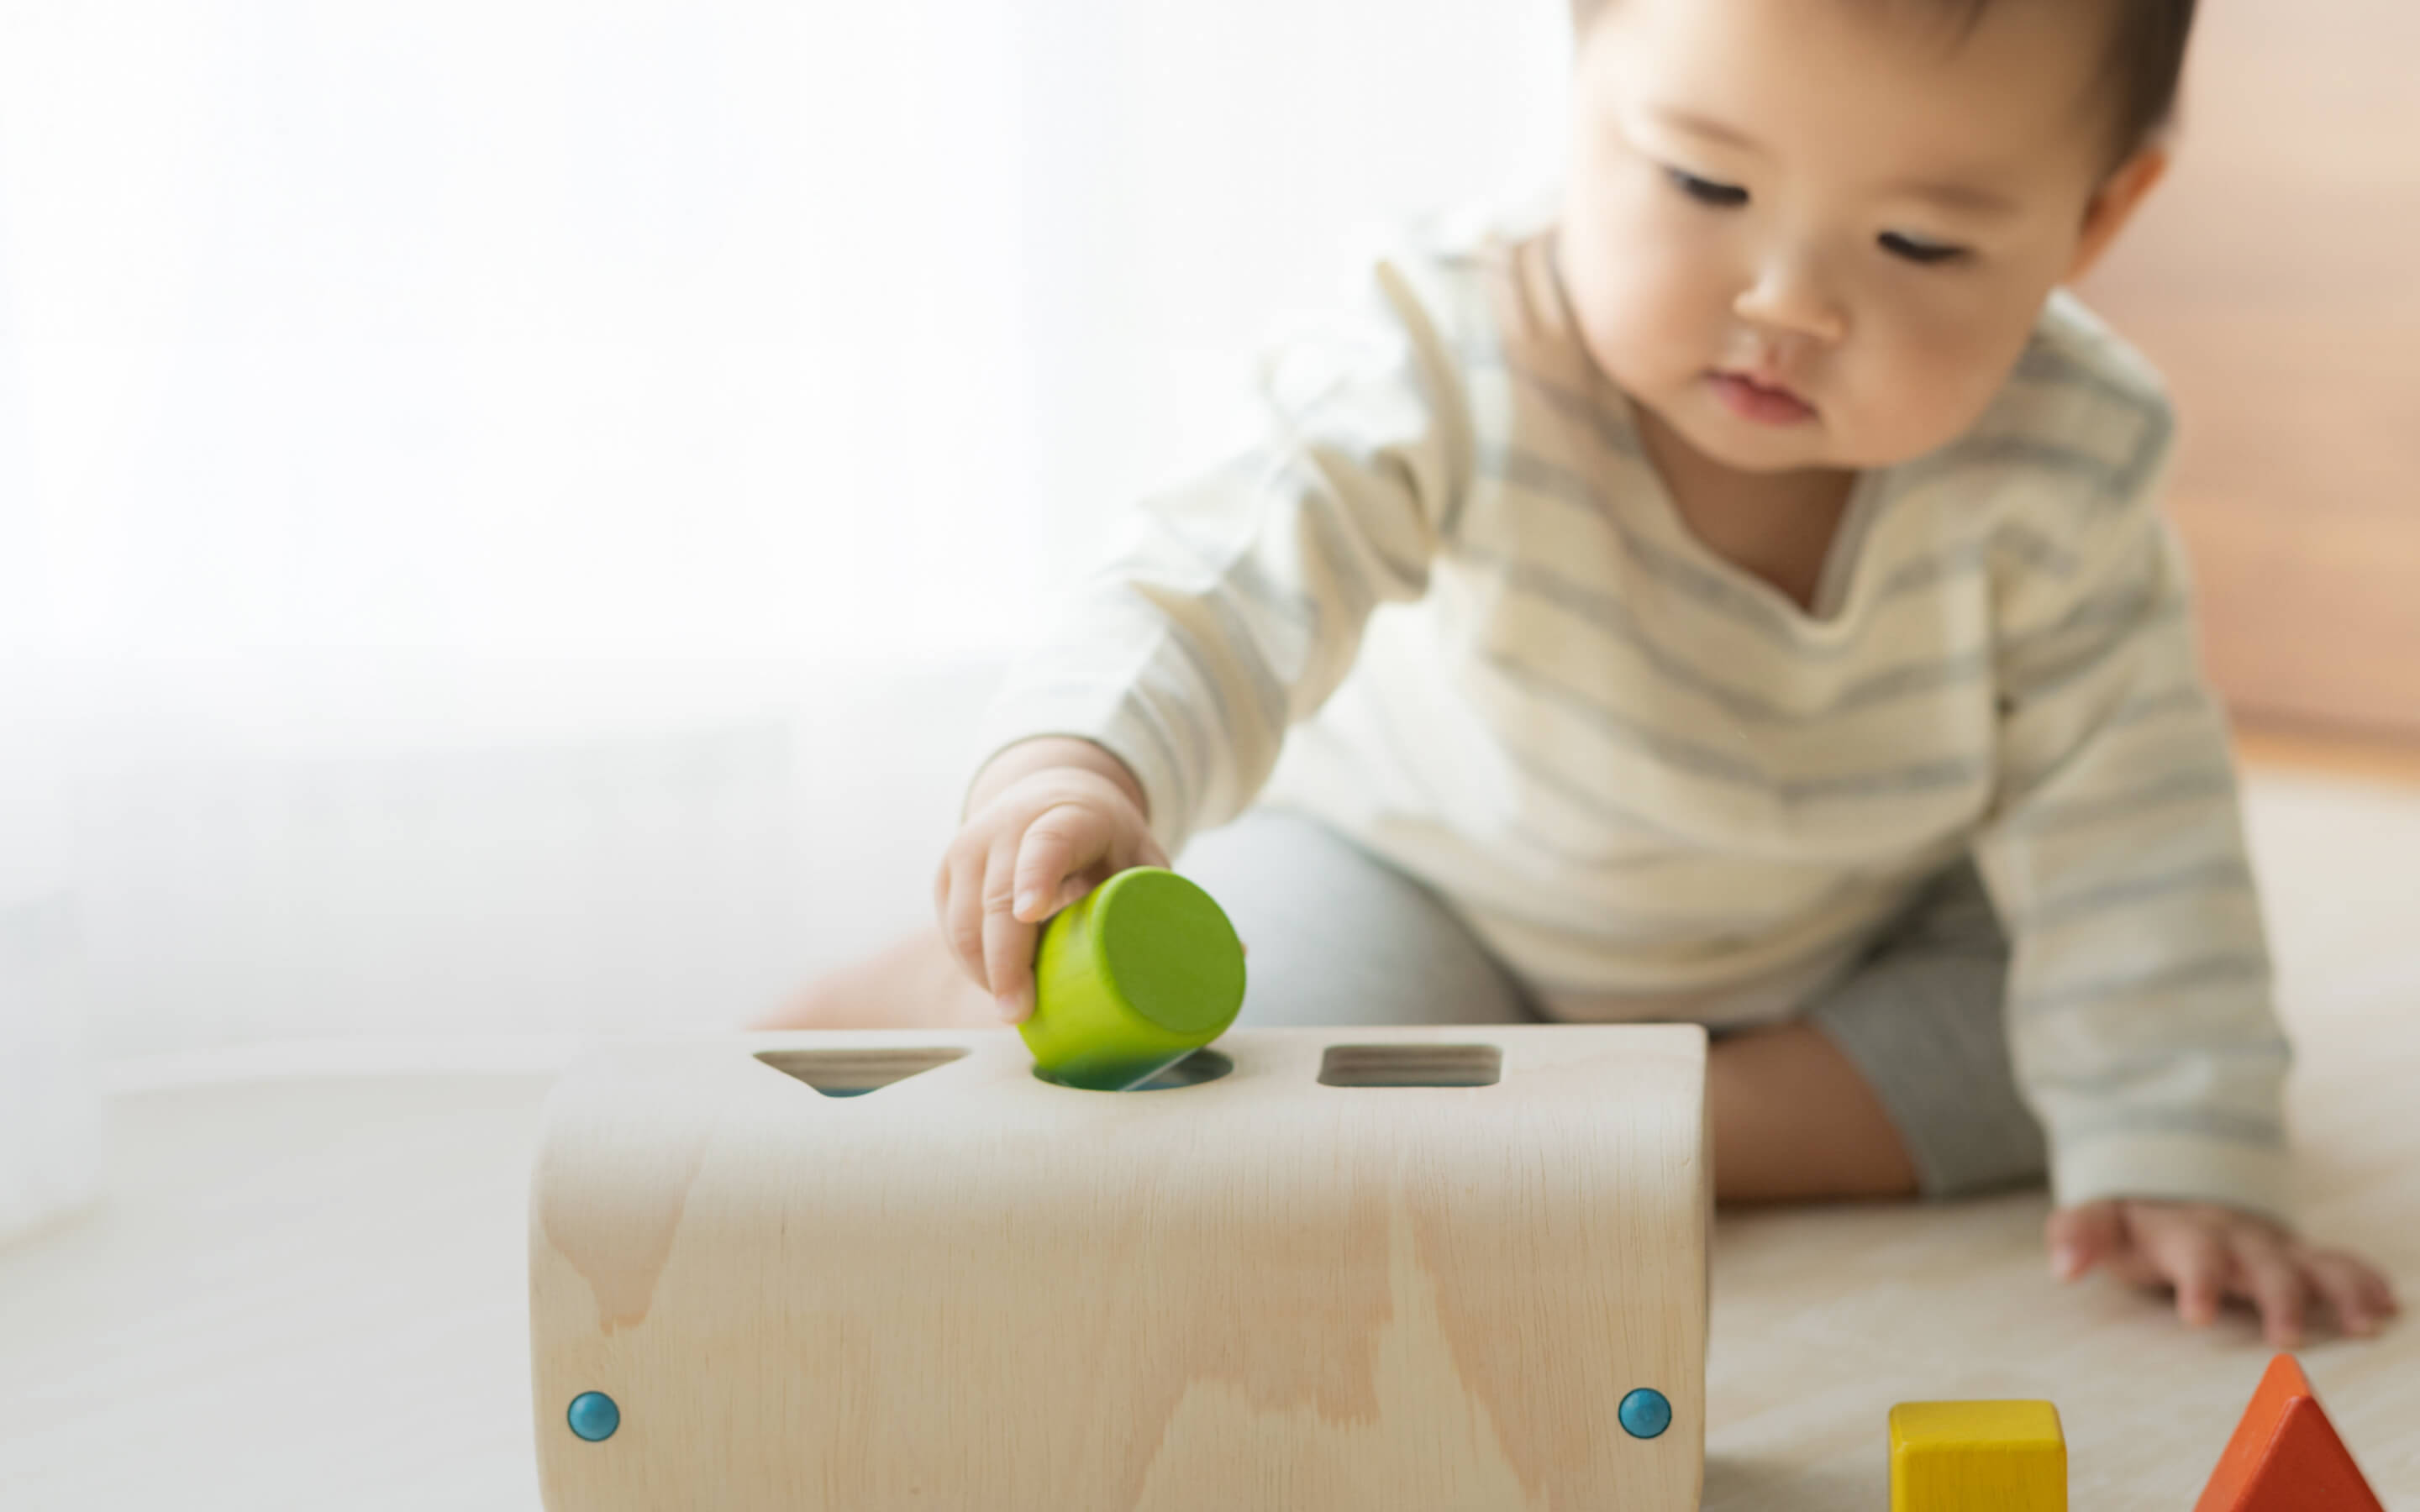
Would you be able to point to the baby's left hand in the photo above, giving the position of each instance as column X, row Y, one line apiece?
column 2209, row 1254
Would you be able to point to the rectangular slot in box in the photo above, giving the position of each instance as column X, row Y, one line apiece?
column 1411, row 1065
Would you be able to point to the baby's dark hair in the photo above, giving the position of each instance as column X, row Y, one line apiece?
column 2139, row 72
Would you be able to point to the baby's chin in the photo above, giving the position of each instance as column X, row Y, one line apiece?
column 1747, row 446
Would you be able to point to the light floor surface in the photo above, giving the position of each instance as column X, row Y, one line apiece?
column 305, row 1290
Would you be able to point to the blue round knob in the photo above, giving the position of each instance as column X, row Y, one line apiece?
column 1645, row 1414
column 593, row 1416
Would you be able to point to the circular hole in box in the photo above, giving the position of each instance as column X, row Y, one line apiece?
column 1200, row 1066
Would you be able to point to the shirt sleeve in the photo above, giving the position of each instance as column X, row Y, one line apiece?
column 1236, row 604
column 2139, row 1000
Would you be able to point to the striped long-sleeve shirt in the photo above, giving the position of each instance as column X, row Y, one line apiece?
column 1448, row 605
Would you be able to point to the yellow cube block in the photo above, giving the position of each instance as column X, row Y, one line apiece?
column 1978, row 1456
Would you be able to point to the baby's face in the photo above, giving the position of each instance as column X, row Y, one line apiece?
column 1822, row 194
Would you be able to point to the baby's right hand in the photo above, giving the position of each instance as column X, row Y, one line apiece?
column 1041, row 841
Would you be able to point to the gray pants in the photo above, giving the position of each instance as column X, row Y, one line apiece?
column 1339, row 937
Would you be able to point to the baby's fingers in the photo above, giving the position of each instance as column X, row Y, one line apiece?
column 958, row 898
column 2080, row 1238
column 2193, row 1260
column 1059, row 842
column 1007, row 940
column 2272, row 1279
column 2358, row 1296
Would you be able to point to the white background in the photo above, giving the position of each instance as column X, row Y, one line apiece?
column 508, row 510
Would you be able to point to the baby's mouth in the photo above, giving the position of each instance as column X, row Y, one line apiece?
column 1765, row 402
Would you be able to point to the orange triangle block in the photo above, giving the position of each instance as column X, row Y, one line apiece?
column 2285, row 1455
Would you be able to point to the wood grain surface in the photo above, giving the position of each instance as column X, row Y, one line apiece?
column 971, row 1288
column 2276, row 279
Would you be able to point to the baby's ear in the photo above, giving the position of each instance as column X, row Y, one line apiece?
column 2113, row 205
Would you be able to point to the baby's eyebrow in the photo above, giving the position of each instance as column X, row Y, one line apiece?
column 1705, row 126
column 1965, row 199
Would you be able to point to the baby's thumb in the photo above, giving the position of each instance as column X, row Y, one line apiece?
column 1051, row 859
column 2081, row 1238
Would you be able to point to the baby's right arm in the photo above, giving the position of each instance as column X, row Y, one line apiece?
column 1231, row 604
column 1047, row 821
column 1234, row 609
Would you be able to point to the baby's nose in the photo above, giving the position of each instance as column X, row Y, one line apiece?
column 1790, row 296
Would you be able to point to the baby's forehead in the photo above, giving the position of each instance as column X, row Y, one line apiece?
column 1860, row 82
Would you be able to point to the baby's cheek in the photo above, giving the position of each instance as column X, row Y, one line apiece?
column 1651, row 314
column 1920, row 388
column 1628, row 256
column 1597, row 281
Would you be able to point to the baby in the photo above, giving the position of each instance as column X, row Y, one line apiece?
column 1737, row 595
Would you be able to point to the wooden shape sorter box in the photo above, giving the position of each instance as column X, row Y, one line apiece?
column 1402, row 1268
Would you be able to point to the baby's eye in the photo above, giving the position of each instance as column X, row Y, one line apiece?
column 1916, row 251
column 1706, row 191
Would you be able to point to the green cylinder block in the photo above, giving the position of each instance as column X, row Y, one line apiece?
column 1140, row 973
